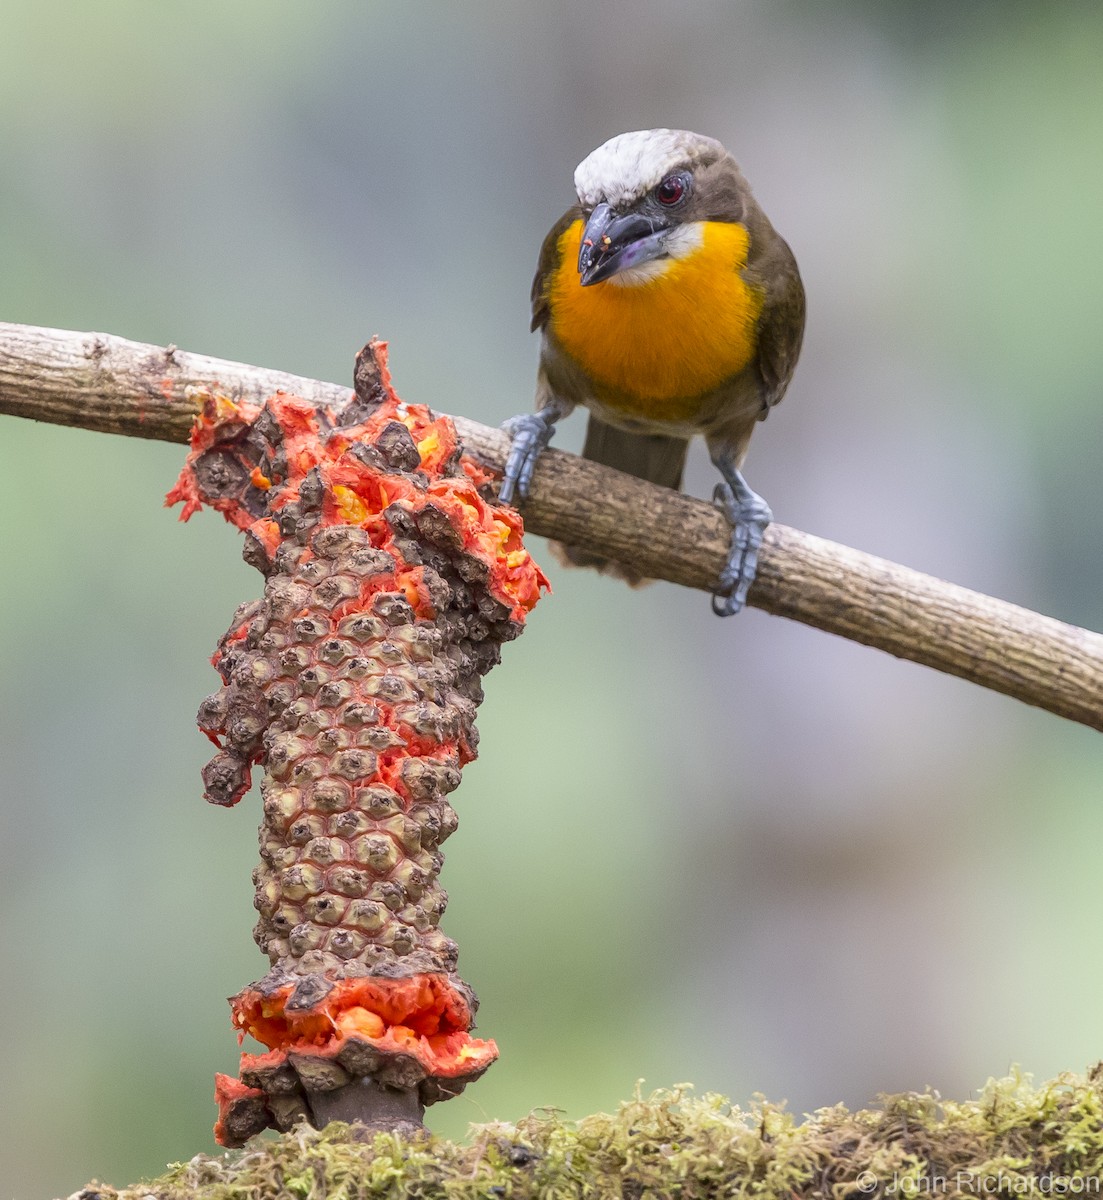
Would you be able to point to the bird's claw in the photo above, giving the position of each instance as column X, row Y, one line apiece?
column 529, row 435
column 749, row 515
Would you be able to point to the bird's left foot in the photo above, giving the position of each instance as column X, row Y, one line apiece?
column 749, row 515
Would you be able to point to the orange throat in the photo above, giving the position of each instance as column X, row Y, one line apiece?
column 681, row 334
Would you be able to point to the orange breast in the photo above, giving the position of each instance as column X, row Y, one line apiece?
column 654, row 346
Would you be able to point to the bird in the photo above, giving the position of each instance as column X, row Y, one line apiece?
column 668, row 306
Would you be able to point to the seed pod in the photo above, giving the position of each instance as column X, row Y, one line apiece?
column 390, row 583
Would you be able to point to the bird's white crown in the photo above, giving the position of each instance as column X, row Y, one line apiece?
column 627, row 166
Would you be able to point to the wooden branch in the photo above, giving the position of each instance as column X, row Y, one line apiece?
column 96, row 381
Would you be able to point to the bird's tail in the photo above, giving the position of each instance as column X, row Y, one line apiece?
column 654, row 457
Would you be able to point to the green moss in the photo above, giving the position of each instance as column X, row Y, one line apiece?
column 1014, row 1139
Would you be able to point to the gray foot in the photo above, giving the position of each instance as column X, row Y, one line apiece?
column 749, row 515
column 529, row 434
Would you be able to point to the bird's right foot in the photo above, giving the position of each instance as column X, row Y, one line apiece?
column 529, row 435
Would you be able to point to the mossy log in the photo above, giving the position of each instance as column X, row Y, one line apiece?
column 1014, row 1139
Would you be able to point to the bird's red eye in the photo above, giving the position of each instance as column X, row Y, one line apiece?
column 671, row 190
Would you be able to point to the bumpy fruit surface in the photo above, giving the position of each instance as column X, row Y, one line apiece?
column 391, row 582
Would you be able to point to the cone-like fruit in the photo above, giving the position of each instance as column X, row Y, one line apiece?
column 391, row 582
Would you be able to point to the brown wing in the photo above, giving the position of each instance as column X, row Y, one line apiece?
column 549, row 258
column 781, row 327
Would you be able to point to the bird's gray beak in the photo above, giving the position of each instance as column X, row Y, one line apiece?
column 611, row 243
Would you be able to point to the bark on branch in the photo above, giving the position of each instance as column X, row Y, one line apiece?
column 97, row 381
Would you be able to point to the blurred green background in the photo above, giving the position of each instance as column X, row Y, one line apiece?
column 744, row 854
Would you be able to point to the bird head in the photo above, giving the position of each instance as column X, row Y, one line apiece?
column 645, row 195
